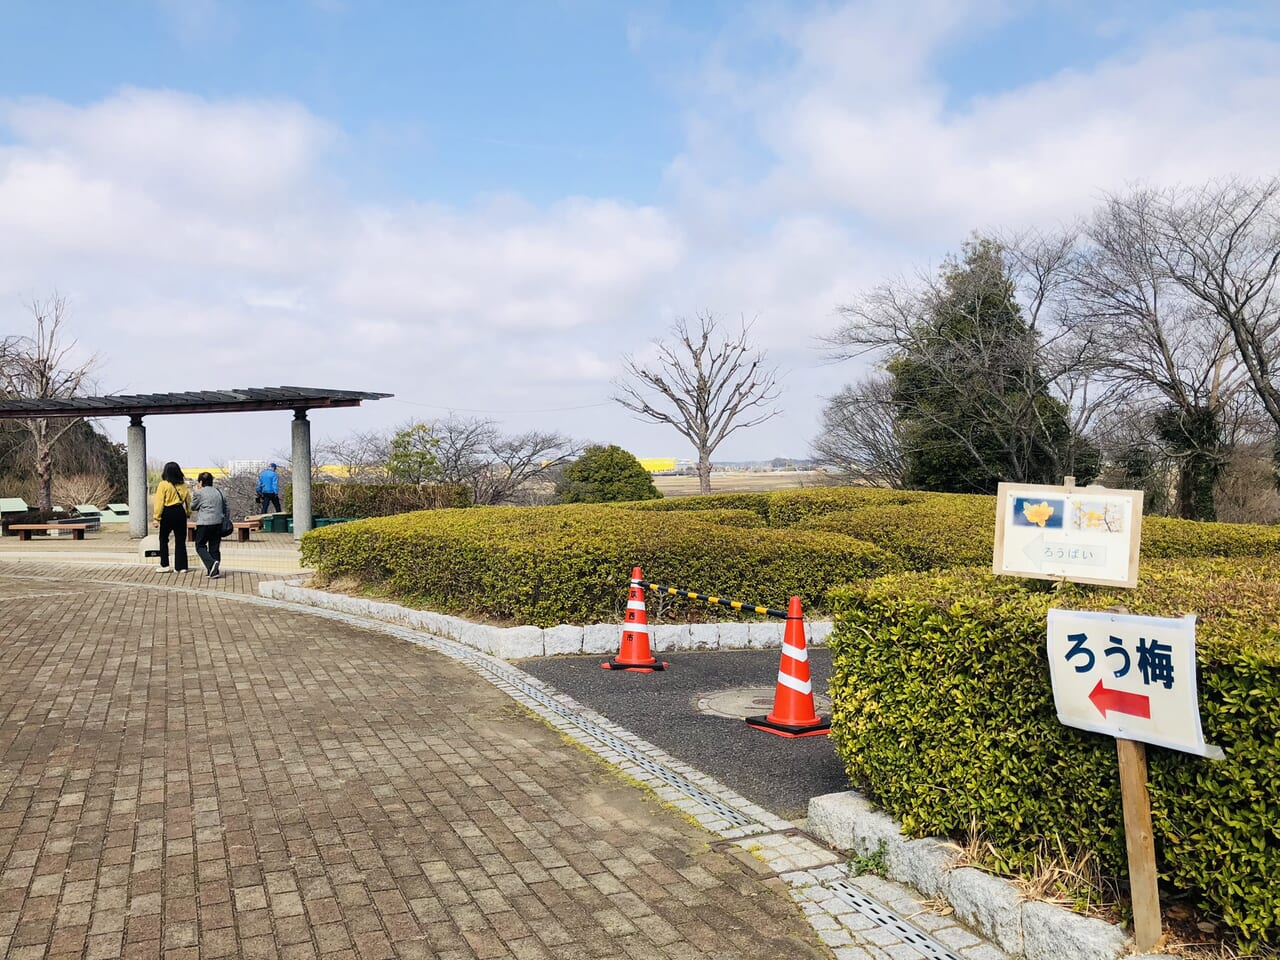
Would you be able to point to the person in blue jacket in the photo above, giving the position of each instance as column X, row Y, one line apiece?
column 269, row 489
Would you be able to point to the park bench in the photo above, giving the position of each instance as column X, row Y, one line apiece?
column 242, row 527
column 26, row 529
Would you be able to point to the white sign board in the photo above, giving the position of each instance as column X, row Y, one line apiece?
column 1083, row 534
column 1127, row 676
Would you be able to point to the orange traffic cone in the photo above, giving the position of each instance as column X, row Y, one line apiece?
column 793, row 714
column 633, row 654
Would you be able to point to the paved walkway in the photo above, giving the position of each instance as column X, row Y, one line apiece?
column 188, row 771
column 186, row 775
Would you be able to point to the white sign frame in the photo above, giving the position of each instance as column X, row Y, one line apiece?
column 1063, row 546
column 1088, row 694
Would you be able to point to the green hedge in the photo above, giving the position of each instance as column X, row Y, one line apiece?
column 727, row 517
column 1168, row 537
column 789, row 507
column 931, row 534
column 942, row 531
column 380, row 499
column 943, row 712
column 551, row 565
column 755, row 502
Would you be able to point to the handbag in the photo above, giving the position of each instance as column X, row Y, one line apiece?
column 227, row 526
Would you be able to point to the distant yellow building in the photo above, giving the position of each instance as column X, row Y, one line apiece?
column 658, row 464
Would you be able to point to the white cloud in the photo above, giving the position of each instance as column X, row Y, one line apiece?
column 206, row 243
column 1193, row 106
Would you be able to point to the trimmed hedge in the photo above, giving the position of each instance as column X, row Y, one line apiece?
column 380, row 499
column 1169, row 537
column 727, row 517
column 944, row 531
column 552, row 565
column 942, row 711
column 755, row 502
column 789, row 507
column 930, row 534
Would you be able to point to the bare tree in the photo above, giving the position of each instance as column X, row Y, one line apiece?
column 38, row 367
column 707, row 386
column 497, row 467
column 363, row 455
column 1221, row 244
column 1155, row 345
column 862, row 438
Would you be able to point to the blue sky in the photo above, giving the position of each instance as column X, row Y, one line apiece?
column 483, row 206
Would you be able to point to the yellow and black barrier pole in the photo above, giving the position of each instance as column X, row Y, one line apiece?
column 731, row 604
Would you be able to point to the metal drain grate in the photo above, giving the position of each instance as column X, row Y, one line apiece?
column 884, row 917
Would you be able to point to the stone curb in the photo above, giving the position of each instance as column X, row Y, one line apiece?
column 990, row 906
column 514, row 643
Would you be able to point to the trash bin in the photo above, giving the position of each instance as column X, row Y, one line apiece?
column 276, row 523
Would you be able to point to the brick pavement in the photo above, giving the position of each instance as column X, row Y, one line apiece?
column 184, row 775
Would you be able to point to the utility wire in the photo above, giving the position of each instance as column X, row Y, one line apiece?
column 436, row 406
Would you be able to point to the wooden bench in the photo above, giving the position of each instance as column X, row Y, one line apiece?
column 26, row 529
column 241, row 527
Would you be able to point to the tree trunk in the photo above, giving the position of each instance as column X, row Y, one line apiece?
column 1196, row 477
column 704, row 474
column 44, row 468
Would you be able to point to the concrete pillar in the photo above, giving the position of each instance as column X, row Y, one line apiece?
column 301, row 473
column 139, row 512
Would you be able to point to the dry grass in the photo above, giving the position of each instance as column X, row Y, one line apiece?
column 743, row 482
column 1072, row 881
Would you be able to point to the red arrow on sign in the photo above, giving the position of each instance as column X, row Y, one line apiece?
column 1117, row 701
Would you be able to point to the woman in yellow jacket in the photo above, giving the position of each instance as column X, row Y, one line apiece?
column 173, row 503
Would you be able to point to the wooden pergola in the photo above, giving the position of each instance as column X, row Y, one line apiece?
column 250, row 399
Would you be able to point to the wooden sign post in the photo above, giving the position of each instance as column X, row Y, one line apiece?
column 1139, row 842
column 1133, row 678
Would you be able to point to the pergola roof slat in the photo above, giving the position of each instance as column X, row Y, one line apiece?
column 238, row 400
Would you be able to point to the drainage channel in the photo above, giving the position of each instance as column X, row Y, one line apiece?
column 886, row 919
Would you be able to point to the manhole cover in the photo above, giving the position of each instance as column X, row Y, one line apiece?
column 748, row 702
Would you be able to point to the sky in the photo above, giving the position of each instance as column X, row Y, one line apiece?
column 483, row 207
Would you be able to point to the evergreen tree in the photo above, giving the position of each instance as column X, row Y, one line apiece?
column 967, row 387
column 604, row 475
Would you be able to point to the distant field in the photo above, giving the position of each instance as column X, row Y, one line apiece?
column 744, row 482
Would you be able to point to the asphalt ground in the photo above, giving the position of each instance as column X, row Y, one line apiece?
column 778, row 773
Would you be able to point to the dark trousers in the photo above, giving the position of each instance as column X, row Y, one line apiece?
column 268, row 499
column 173, row 520
column 209, row 544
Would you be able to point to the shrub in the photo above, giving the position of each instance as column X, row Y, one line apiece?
column 1166, row 537
column 789, row 507
column 77, row 488
column 939, row 533
column 943, row 531
column 603, row 475
column 942, row 710
column 571, row 563
column 380, row 499
column 757, row 502
column 726, row 517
